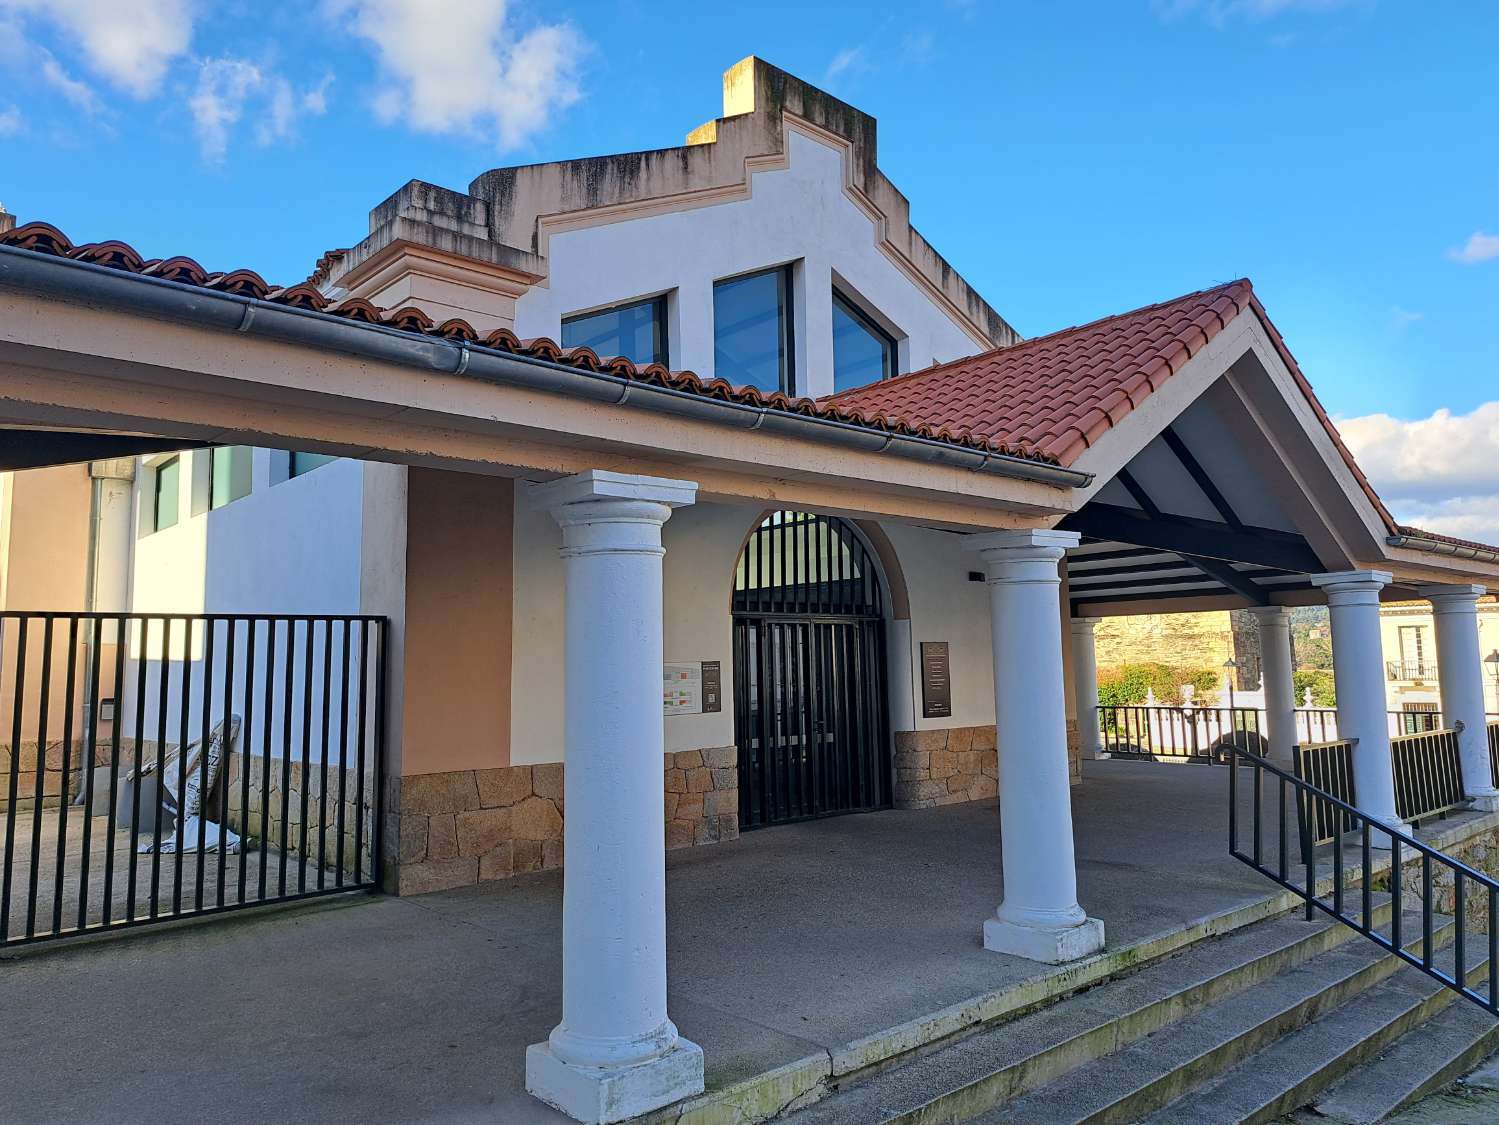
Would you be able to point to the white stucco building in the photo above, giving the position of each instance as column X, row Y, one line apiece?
column 716, row 414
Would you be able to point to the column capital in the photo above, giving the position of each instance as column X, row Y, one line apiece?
column 1025, row 543
column 1271, row 614
column 1085, row 624
column 1463, row 597
column 603, row 484
column 1353, row 587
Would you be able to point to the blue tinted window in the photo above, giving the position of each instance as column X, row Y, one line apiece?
column 637, row 331
column 305, row 462
column 862, row 352
column 752, row 330
column 167, row 483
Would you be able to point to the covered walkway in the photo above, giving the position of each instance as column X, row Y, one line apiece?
column 803, row 947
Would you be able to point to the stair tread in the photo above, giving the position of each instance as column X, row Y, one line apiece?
column 1426, row 1057
column 1102, row 1083
column 1011, row 1044
column 1303, row 1054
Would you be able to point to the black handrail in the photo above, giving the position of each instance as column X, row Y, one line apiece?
column 1307, row 798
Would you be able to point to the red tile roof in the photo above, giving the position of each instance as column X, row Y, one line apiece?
column 46, row 239
column 1057, row 395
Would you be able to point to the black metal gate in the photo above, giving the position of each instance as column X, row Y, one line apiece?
column 809, row 673
column 160, row 765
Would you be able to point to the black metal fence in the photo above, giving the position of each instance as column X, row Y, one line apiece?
column 162, row 765
column 1279, row 844
column 1494, row 752
column 1328, row 767
column 1428, row 774
column 1185, row 733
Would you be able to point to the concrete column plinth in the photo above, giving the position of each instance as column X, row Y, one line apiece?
column 1460, row 675
column 615, row 1054
column 1040, row 917
column 1359, row 674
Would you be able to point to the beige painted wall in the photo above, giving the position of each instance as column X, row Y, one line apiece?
column 457, row 622
column 44, row 544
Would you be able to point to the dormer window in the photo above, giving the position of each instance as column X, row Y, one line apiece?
column 863, row 352
column 636, row 331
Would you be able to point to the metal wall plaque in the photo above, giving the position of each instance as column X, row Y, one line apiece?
column 936, row 681
column 712, row 687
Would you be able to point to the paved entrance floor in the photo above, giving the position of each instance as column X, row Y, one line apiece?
column 788, row 944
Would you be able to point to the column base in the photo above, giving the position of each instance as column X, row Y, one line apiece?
column 1050, row 944
column 1380, row 842
column 599, row 1095
column 1485, row 802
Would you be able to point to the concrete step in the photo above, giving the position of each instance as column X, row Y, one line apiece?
column 966, row 1077
column 1291, row 1072
column 1422, row 1061
column 1142, row 1077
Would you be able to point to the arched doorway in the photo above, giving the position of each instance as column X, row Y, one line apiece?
column 809, row 672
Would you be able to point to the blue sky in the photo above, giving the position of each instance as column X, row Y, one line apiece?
column 1071, row 159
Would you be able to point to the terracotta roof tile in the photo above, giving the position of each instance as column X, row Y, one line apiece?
column 46, row 239
column 1045, row 395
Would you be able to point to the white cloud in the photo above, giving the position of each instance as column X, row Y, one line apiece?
column 850, row 58
column 81, row 94
column 10, row 122
column 224, row 85
column 468, row 70
column 129, row 42
column 1404, row 318
column 1440, row 473
column 228, row 89
column 1480, row 247
column 1221, row 11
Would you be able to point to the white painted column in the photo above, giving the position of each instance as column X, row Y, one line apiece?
column 615, row 1054
column 1085, row 686
column 1040, row 917
column 1359, row 674
column 1460, row 674
column 1278, row 679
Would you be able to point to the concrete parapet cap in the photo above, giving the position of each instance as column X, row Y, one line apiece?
column 1022, row 540
column 603, row 484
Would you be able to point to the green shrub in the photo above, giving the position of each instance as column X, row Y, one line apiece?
column 1324, row 694
column 1129, row 684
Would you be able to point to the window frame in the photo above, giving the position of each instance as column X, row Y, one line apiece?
column 786, row 291
column 172, row 462
column 658, row 304
column 874, row 328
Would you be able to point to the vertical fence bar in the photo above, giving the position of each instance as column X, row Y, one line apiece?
column 377, row 830
column 162, row 697
column 1460, row 935
column 184, row 736
column 246, row 759
column 343, row 756
column 322, row 792
column 306, row 756
column 226, row 761
column 286, row 711
column 359, row 837
column 64, row 782
column 1397, row 894
column 1426, row 950
column 40, row 779
column 141, row 666
column 265, row 751
column 90, row 760
column 114, row 771
column 18, row 682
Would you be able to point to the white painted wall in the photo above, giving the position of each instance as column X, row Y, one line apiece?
column 800, row 214
column 291, row 546
column 946, row 606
